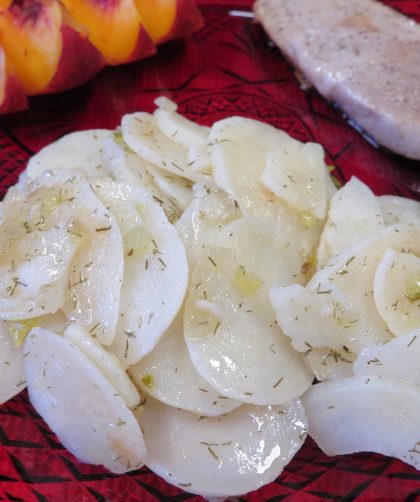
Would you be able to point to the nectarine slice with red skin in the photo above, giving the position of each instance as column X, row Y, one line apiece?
column 5, row 4
column 12, row 96
column 114, row 27
column 47, row 53
column 169, row 19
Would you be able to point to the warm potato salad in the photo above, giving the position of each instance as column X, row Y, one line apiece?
column 170, row 293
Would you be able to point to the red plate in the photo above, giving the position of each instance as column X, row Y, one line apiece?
column 227, row 68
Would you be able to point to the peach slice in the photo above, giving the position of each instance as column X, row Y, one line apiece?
column 169, row 19
column 5, row 4
column 48, row 52
column 115, row 28
column 12, row 97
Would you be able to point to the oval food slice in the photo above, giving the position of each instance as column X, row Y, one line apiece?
column 229, row 342
column 155, row 270
column 354, row 215
column 81, row 150
column 397, row 291
column 175, row 188
column 358, row 414
column 330, row 364
column 167, row 374
column 297, row 174
column 107, row 363
column 222, row 456
column 200, row 224
column 12, row 378
column 142, row 135
column 80, row 405
column 398, row 359
column 399, row 210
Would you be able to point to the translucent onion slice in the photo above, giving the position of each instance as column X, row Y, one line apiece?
column 365, row 414
column 200, row 225
column 297, row 174
column 80, row 405
column 399, row 210
column 81, row 150
column 397, row 291
column 155, row 270
column 168, row 375
column 354, row 214
column 107, row 363
column 229, row 342
column 223, row 456
column 142, row 135
column 12, row 378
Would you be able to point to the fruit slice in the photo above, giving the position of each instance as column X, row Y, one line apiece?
column 105, row 22
column 398, row 359
column 222, row 456
column 47, row 53
column 229, row 342
column 12, row 96
column 168, row 375
column 365, row 414
column 169, row 19
column 397, row 291
column 80, row 405
column 5, row 4
column 354, row 214
column 107, row 363
column 12, row 378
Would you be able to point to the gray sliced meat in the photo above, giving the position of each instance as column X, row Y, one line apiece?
column 358, row 53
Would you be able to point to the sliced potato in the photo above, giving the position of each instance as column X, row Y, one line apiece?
column 358, row 414
column 222, row 456
column 107, row 363
column 399, row 210
column 168, row 375
column 81, row 150
column 398, row 359
column 178, row 190
column 330, row 364
column 12, row 378
column 354, row 215
column 80, row 405
column 297, row 174
column 142, row 135
column 229, row 343
column 397, row 291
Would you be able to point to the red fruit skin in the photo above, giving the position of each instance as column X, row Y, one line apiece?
column 15, row 99
column 79, row 62
column 188, row 19
column 144, row 47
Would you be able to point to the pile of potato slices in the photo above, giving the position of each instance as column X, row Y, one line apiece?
column 170, row 292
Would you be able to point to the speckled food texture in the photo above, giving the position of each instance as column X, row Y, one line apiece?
column 360, row 54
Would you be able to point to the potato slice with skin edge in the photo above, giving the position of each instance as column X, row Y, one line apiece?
column 81, row 150
column 12, row 378
column 222, row 456
column 168, row 375
column 155, row 270
column 392, row 290
column 358, row 414
column 354, row 214
column 107, row 363
column 80, row 405
column 398, row 359
column 200, row 224
column 229, row 343
column 142, row 135
column 297, row 174
column 397, row 210
column 345, row 285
